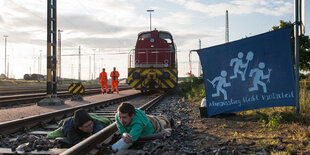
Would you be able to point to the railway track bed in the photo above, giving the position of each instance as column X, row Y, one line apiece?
column 30, row 109
column 41, row 127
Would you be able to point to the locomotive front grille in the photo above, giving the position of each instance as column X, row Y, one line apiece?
column 152, row 78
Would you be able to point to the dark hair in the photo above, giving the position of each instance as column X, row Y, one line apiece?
column 80, row 117
column 126, row 107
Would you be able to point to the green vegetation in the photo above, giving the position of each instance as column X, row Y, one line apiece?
column 304, row 45
column 193, row 88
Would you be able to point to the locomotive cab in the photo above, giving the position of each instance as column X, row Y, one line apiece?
column 155, row 49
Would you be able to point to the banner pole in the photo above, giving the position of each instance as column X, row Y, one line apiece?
column 296, row 34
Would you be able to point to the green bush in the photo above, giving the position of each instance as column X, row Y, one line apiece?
column 193, row 88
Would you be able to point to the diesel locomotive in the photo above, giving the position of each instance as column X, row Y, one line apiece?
column 153, row 62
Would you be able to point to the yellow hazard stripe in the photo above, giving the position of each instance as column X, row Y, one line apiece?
column 171, row 82
column 70, row 88
column 77, row 89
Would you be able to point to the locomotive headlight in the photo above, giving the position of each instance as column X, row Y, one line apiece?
column 137, row 63
column 166, row 63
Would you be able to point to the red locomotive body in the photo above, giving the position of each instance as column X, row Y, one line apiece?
column 154, row 66
column 155, row 49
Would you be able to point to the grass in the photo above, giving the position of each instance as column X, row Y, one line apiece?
column 193, row 91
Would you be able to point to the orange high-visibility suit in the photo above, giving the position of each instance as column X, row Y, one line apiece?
column 114, row 77
column 103, row 79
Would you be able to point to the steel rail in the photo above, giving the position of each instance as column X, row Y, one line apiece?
column 32, row 98
column 12, row 90
column 28, row 122
column 95, row 141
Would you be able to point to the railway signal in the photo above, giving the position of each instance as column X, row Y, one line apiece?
column 51, row 76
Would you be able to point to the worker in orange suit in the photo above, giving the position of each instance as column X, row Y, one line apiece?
column 114, row 77
column 103, row 79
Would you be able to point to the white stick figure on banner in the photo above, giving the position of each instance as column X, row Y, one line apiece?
column 220, row 84
column 259, row 75
column 237, row 62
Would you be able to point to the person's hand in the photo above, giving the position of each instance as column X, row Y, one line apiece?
column 127, row 137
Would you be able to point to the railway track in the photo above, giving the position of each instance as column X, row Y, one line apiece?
column 18, row 90
column 42, row 125
column 19, row 99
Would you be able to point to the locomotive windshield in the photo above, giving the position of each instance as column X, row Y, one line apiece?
column 144, row 36
column 166, row 37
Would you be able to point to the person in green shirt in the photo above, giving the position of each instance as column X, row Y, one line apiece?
column 134, row 123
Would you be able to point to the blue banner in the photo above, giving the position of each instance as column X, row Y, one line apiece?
column 251, row 73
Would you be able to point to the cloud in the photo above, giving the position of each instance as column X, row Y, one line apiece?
column 239, row 7
column 103, row 43
column 87, row 24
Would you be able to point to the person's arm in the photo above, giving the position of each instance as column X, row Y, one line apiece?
column 136, row 132
column 74, row 137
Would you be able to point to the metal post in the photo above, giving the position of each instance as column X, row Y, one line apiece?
column 49, row 85
column 150, row 11
column 89, row 70
column 94, row 64
column 199, row 63
column 226, row 28
column 40, row 62
column 79, row 63
column 7, row 74
column 51, row 76
column 54, row 33
column 59, row 53
column 5, row 42
column 296, row 34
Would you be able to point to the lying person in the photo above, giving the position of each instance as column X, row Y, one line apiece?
column 78, row 127
column 134, row 123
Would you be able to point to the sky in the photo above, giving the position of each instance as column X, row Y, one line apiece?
column 106, row 30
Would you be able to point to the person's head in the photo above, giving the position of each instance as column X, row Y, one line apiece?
column 240, row 55
column 103, row 69
column 126, row 112
column 83, row 121
column 223, row 73
column 261, row 65
column 114, row 68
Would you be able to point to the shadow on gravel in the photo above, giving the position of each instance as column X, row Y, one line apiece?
column 234, row 117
